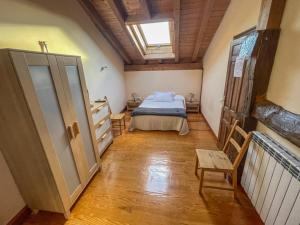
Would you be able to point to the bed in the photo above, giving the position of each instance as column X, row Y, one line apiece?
column 164, row 113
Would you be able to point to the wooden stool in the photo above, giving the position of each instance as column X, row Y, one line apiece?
column 117, row 119
column 218, row 161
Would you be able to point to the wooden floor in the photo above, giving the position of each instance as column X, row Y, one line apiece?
column 147, row 178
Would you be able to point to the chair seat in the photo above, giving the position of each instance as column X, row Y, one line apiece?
column 213, row 160
column 118, row 116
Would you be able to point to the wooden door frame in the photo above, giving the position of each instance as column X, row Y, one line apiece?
column 235, row 38
column 271, row 12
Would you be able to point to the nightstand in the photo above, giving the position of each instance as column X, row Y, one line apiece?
column 193, row 106
column 131, row 104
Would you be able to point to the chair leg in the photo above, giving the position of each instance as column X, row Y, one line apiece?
column 124, row 123
column 234, row 183
column 196, row 166
column 120, row 124
column 201, row 181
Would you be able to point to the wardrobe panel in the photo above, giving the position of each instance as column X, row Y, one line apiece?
column 44, row 87
column 79, row 105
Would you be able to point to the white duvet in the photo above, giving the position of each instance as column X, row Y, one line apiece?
column 178, row 102
column 153, row 122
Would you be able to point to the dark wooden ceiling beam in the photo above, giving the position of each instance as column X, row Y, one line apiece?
column 176, row 29
column 120, row 14
column 145, row 6
column 137, row 19
column 164, row 66
column 204, row 21
column 270, row 14
column 99, row 23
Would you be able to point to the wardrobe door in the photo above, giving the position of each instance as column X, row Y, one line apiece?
column 40, row 79
column 75, row 87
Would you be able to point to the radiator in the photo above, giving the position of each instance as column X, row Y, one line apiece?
column 271, row 179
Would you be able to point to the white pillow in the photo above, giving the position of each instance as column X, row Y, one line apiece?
column 179, row 98
column 150, row 97
column 164, row 97
column 164, row 93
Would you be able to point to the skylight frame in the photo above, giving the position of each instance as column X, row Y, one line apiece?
column 152, row 51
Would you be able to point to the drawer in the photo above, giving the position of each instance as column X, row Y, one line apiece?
column 100, row 130
column 103, row 144
column 100, row 113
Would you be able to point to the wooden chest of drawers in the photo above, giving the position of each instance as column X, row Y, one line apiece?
column 102, row 125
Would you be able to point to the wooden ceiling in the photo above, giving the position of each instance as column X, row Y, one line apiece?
column 195, row 23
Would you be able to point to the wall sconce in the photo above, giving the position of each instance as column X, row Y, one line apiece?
column 191, row 97
column 43, row 45
column 103, row 68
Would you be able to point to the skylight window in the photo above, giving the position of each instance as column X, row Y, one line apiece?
column 153, row 40
column 157, row 33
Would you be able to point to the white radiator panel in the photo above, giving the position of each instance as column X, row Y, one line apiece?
column 288, row 202
column 294, row 216
column 271, row 179
column 260, row 177
column 278, row 198
column 265, row 184
column 271, row 191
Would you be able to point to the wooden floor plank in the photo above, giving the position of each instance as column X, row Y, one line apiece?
column 147, row 178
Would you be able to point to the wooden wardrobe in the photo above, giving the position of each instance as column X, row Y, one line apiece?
column 45, row 132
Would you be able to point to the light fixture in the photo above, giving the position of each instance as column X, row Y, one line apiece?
column 103, row 68
column 191, row 96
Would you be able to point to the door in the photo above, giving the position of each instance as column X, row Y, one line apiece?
column 76, row 92
column 237, row 84
column 40, row 80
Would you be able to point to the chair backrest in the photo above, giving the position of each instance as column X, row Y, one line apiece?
column 109, row 109
column 241, row 150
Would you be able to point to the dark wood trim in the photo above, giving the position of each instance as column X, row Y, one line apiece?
column 20, row 217
column 118, row 12
column 244, row 32
column 275, row 117
column 137, row 19
column 176, row 29
column 99, row 23
column 204, row 21
column 154, row 67
column 270, row 14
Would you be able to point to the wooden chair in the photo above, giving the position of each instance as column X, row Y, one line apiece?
column 117, row 119
column 218, row 161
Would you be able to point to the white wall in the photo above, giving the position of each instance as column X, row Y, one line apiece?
column 240, row 16
column 181, row 82
column 11, row 201
column 285, row 78
column 66, row 28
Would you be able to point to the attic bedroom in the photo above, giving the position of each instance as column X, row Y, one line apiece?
column 149, row 112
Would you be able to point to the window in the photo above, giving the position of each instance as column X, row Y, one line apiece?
column 156, row 33
column 153, row 39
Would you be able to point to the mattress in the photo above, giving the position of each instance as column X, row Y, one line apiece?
column 161, row 122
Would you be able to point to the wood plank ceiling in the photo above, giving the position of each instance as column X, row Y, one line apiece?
column 195, row 23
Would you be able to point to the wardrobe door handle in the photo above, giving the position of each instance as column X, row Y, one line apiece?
column 75, row 127
column 70, row 132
